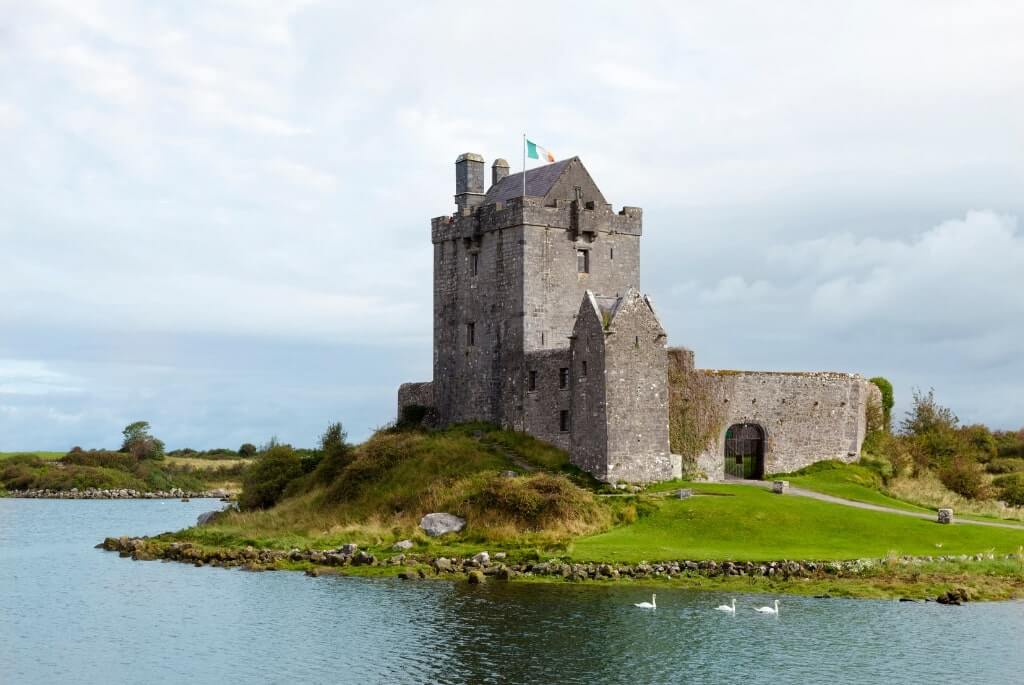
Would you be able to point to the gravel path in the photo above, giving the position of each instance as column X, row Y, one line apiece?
column 801, row 492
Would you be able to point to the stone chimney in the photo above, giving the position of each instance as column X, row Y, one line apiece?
column 499, row 170
column 469, row 180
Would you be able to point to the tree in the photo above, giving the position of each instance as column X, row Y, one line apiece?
column 247, row 450
column 927, row 416
column 139, row 443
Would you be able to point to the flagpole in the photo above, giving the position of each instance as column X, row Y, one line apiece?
column 524, row 165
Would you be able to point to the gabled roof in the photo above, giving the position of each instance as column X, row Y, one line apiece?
column 607, row 308
column 539, row 182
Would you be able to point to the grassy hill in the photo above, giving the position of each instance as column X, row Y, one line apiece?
column 386, row 484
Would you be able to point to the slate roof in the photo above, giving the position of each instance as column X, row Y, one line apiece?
column 538, row 182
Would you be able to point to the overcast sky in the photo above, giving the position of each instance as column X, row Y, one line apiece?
column 218, row 219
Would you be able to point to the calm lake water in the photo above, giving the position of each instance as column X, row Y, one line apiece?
column 71, row 613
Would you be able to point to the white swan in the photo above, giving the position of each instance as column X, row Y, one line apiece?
column 653, row 604
column 726, row 607
column 768, row 610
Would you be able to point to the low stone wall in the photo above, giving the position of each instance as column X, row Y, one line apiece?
column 93, row 493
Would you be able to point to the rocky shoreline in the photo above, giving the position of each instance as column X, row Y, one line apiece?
column 114, row 493
column 478, row 568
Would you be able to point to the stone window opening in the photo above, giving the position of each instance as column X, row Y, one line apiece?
column 531, row 382
column 563, row 378
column 563, row 421
column 474, row 263
column 611, row 252
column 583, row 369
column 471, row 334
column 583, row 261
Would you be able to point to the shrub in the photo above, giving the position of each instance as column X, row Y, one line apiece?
column 963, row 477
column 888, row 400
column 112, row 460
column 266, row 480
column 1006, row 465
column 247, row 450
column 978, row 439
column 1011, row 489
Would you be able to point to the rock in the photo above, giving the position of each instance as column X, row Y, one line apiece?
column 208, row 517
column 408, row 575
column 348, row 549
column 442, row 565
column 779, row 487
column 945, row 516
column 476, row 578
column 505, row 573
column 482, row 558
column 499, row 555
column 509, row 474
column 441, row 523
column 363, row 559
column 402, row 545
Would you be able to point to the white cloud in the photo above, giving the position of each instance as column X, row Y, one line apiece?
column 268, row 171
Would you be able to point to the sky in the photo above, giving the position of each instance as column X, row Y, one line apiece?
column 216, row 216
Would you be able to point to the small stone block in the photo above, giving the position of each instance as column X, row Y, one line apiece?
column 684, row 493
column 945, row 516
column 780, row 486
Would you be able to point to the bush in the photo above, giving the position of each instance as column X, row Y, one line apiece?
column 247, row 450
column 266, row 480
column 963, row 477
column 979, row 441
column 112, row 460
column 1011, row 489
column 1005, row 466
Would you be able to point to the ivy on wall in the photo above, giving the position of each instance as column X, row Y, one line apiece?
column 695, row 418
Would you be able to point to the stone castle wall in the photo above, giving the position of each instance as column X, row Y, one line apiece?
column 806, row 417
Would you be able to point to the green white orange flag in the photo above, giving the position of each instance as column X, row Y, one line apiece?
column 534, row 151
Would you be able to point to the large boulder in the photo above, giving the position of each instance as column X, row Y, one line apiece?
column 441, row 523
column 208, row 517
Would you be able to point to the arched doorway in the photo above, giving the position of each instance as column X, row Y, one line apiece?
column 744, row 451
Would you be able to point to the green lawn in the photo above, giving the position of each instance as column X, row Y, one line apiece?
column 850, row 482
column 748, row 523
column 48, row 456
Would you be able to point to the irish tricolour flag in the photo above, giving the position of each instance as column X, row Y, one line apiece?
column 534, row 151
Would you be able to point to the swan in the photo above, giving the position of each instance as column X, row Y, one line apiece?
column 726, row 607
column 768, row 610
column 653, row 604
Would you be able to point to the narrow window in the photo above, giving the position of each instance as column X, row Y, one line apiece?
column 583, row 369
column 471, row 334
column 563, row 378
column 474, row 263
column 583, row 261
column 532, row 383
column 542, row 338
column 563, row 420
column 611, row 252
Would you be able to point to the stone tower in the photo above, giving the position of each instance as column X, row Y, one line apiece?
column 509, row 274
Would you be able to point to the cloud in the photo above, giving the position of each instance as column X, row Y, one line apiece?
column 262, row 175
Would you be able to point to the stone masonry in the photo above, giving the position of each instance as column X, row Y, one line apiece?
column 540, row 326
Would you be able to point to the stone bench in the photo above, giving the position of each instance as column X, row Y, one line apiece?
column 779, row 487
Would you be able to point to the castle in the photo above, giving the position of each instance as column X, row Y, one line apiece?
column 540, row 326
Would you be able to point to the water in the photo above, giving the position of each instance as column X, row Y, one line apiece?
column 71, row 613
